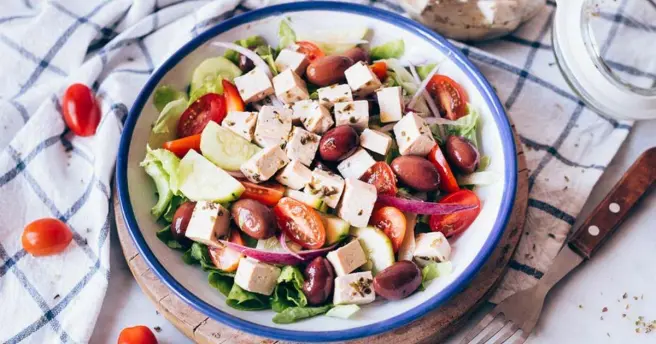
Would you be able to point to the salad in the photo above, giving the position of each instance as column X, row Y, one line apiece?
column 314, row 177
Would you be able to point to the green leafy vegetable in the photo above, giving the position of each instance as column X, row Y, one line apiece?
column 156, row 171
column 287, row 35
column 244, row 300
column 175, row 203
column 423, row 70
column 164, row 95
column 289, row 290
column 391, row 49
column 293, row 314
column 169, row 162
column 222, row 281
column 167, row 238
column 165, row 127
column 466, row 126
column 343, row 311
column 251, row 42
column 268, row 54
column 393, row 152
column 434, row 270
column 199, row 254
column 484, row 163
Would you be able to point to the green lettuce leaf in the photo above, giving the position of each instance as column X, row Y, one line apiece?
column 155, row 170
column 269, row 55
column 293, row 314
column 169, row 162
column 286, row 33
column 175, row 203
column 434, row 270
column 166, row 237
column 164, row 95
column 251, row 42
column 215, row 86
column 199, row 254
column 389, row 50
column 244, row 300
column 165, row 127
column 289, row 290
column 222, row 281
column 423, row 70
column 466, row 126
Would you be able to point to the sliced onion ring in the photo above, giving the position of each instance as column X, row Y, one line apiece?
column 422, row 86
column 251, row 55
column 277, row 257
column 421, row 207
column 429, row 100
column 283, row 243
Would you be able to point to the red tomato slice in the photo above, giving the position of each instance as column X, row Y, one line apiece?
column 301, row 223
column 81, row 111
column 225, row 258
column 380, row 69
column 382, row 177
column 451, row 97
column 311, row 50
column 210, row 107
column 137, row 335
column 456, row 223
column 180, row 147
column 46, row 237
column 448, row 181
column 392, row 222
column 232, row 97
column 266, row 193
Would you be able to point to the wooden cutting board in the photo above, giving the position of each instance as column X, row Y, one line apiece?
column 432, row 328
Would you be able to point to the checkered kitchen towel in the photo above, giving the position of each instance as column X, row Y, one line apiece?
column 114, row 46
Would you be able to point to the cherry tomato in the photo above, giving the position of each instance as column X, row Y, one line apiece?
column 392, row 222
column 382, row 177
column 137, row 335
column 225, row 258
column 451, row 97
column 232, row 97
column 448, row 182
column 46, row 237
column 210, row 107
column 266, row 193
column 181, row 147
column 380, row 69
column 81, row 111
column 311, row 50
column 301, row 223
column 456, row 223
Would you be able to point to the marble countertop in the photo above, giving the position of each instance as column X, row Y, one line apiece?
column 573, row 312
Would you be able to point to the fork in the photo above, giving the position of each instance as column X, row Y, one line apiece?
column 520, row 312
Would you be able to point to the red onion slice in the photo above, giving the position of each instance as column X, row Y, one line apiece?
column 277, row 257
column 283, row 243
column 421, row 207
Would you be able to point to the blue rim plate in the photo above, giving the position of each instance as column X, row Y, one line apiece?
column 410, row 315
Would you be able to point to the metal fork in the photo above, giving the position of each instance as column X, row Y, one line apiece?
column 519, row 313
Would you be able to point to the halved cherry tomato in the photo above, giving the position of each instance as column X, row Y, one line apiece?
column 46, row 237
column 180, row 147
column 81, row 111
column 448, row 181
column 380, row 69
column 225, row 258
column 382, row 177
column 137, row 335
column 451, row 97
column 311, row 50
column 210, row 107
column 266, row 193
column 232, row 97
column 392, row 222
column 456, row 223
column 300, row 223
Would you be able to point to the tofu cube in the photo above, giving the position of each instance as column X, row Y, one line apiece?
column 347, row 258
column 330, row 95
column 361, row 79
column 375, row 141
column 354, row 113
column 354, row 289
column 290, row 59
column 209, row 221
column 295, row 175
column 326, row 185
column 254, row 85
column 256, row 277
column 413, row 136
column 356, row 165
column 241, row 123
column 289, row 87
column 358, row 202
column 264, row 164
column 431, row 246
column 314, row 116
column 300, row 109
column 302, row 146
column 390, row 102
column 273, row 126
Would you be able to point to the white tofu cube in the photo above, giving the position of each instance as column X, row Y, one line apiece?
column 358, row 202
column 314, row 116
column 356, row 165
column 375, row 141
column 326, row 185
column 241, row 123
column 290, row 59
column 354, row 289
column 264, row 164
column 391, row 103
column 209, row 222
column 347, row 258
column 256, row 277
column 300, row 109
column 254, row 85
column 330, row 95
column 273, row 126
column 431, row 246
column 295, row 175
column 289, row 87
column 361, row 79
column 302, row 146
column 413, row 136
column 355, row 114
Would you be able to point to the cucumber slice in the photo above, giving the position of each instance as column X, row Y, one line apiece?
column 273, row 244
column 377, row 247
column 336, row 228
column 201, row 180
column 225, row 148
column 311, row 200
column 343, row 311
column 209, row 70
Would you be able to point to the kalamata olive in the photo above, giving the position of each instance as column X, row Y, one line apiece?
column 254, row 218
column 462, row 154
column 416, row 172
column 338, row 143
column 398, row 281
column 181, row 220
column 245, row 64
column 328, row 70
column 319, row 279
column 357, row 54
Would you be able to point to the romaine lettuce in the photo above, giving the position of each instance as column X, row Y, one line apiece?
column 251, row 42
column 244, row 300
column 289, row 290
column 164, row 95
column 162, row 168
column 392, row 49
column 287, row 35
column 165, row 127
column 293, row 314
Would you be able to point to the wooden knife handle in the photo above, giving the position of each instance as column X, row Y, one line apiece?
column 610, row 213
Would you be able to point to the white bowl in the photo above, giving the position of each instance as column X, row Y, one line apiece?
column 470, row 250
